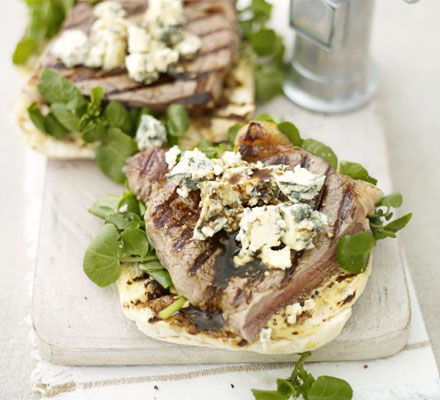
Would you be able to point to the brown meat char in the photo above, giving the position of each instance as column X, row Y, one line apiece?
column 199, row 84
column 201, row 270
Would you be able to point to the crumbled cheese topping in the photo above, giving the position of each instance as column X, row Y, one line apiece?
column 71, row 48
column 171, row 157
column 150, row 133
column 245, row 197
column 299, row 185
column 292, row 226
column 146, row 51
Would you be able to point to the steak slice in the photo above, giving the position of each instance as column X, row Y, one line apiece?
column 198, row 86
column 203, row 271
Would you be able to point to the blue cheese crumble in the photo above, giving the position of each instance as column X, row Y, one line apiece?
column 299, row 185
column 262, row 229
column 239, row 196
column 150, row 133
column 146, row 51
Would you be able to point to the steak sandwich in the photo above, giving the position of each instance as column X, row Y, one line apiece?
column 249, row 241
column 148, row 55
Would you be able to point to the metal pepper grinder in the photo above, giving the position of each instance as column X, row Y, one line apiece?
column 330, row 71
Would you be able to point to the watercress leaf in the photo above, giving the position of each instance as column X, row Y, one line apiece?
column 307, row 382
column 285, row 387
column 129, row 202
column 54, row 88
column 399, row 223
column 261, row 10
column 266, row 117
column 151, row 265
column 394, row 200
column 246, row 27
column 232, row 133
column 263, row 41
column 330, row 388
column 321, row 150
column 124, row 220
column 268, row 395
column 105, row 206
column 94, row 105
column 381, row 233
column 54, row 128
column 93, row 130
column 353, row 251
column 142, row 208
column 135, row 242
column 24, row 49
column 156, row 271
column 269, row 80
column 356, row 171
column 292, row 133
column 101, row 260
column 37, row 118
column 118, row 116
column 112, row 154
column 65, row 117
column 211, row 151
column 177, row 120
column 162, row 277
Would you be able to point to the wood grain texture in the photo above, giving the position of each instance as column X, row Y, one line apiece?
column 77, row 323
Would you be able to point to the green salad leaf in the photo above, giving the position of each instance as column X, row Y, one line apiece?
column 232, row 133
column 54, row 88
column 101, row 261
column 302, row 385
column 353, row 251
column 105, row 206
column 356, row 171
column 113, row 152
column 177, row 120
column 118, row 116
column 292, row 133
column 330, row 388
column 383, row 213
column 265, row 49
column 45, row 19
column 321, row 150
column 135, row 242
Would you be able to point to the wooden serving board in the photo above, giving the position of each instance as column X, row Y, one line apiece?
column 77, row 323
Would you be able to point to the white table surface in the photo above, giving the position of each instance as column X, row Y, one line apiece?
column 406, row 49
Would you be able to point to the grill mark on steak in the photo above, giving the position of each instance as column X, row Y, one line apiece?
column 344, row 207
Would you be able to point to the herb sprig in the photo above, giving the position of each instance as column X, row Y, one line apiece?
column 112, row 125
column 265, row 49
column 302, row 384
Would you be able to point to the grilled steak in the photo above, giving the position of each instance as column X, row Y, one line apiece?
column 198, row 86
column 204, row 272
